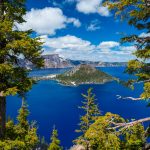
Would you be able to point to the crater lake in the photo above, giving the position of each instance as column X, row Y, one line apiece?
column 51, row 103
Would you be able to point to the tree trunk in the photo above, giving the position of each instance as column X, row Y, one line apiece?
column 2, row 116
column 1, row 7
column 2, row 98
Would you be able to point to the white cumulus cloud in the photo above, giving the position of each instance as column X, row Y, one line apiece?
column 108, row 44
column 67, row 42
column 144, row 35
column 128, row 48
column 75, row 48
column 92, row 6
column 75, row 22
column 46, row 21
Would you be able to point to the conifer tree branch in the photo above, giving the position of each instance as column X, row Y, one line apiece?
column 125, row 125
column 144, row 81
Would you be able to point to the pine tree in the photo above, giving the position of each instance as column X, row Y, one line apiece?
column 92, row 112
column 137, row 13
column 25, row 131
column 55, row 142
column 134, row 137
column 98, row 135
column 14, row 45
column 22, row 135
column 102, row 134
column 23, row 125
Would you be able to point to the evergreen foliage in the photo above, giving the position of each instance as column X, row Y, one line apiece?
column 14, row 45
column 137, row 12
column 91, row 111
column 98, row 132
column 20, row 136
column 134, row 138
column 102, row 137
column 55, row 142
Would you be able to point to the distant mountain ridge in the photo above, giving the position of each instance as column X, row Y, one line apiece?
column 98, row 63
column 55, row 61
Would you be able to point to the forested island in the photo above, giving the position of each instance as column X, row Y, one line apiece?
column 84, row 74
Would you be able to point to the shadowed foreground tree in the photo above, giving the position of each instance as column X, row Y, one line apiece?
column 102, row 136
column 14, row 45
column 20, row 136
column 109, row 131
column 55, row 142
column 137, row 13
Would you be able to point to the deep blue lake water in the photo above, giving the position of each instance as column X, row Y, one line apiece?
column 53, row 104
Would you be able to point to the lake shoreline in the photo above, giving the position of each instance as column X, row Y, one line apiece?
column 73, row 84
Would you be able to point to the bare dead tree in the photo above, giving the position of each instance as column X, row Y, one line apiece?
column 126, row 125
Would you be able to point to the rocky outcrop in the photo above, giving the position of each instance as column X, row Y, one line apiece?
column 50, row 61
column 55, row 61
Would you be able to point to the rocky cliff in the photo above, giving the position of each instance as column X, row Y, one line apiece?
column 55, row 61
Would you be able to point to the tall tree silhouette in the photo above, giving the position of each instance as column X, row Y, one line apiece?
column 14, row 45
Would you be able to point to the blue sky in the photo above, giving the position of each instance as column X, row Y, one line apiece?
column 79, row 29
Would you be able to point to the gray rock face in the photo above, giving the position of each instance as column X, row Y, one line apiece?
column 50, row 61
column 54, row 61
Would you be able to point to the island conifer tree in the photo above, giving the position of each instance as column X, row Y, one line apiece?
column 15, row 45
column 55, row 142
column 92, row 112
